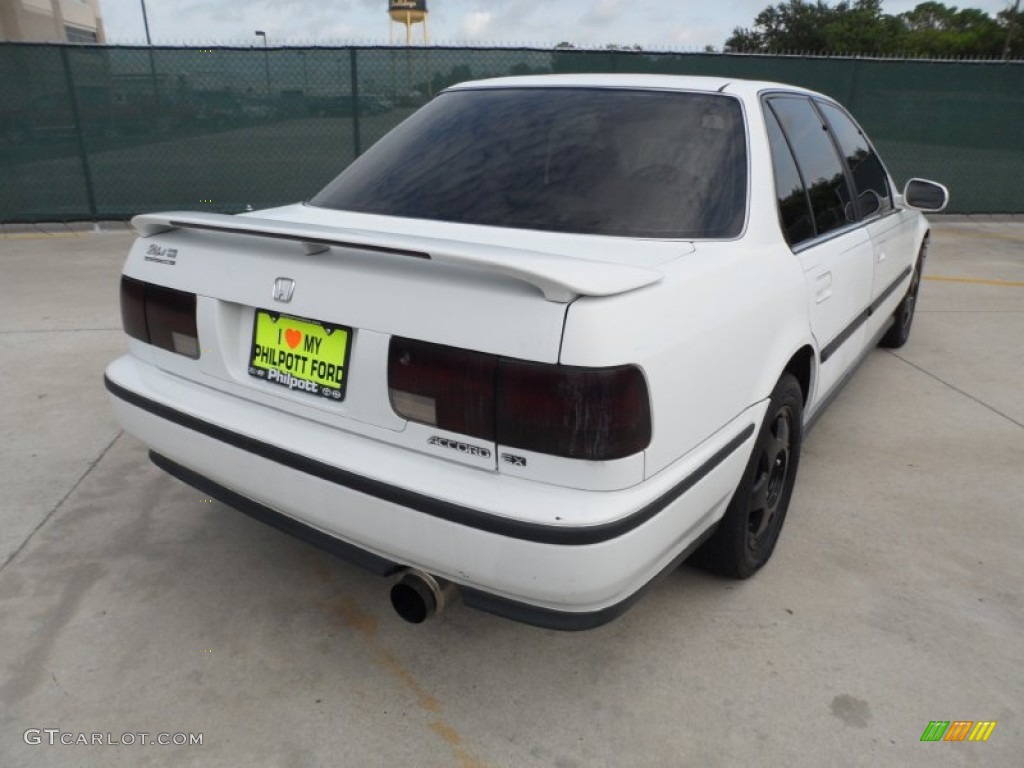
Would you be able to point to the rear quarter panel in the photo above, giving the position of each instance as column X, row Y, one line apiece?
column 712, row 338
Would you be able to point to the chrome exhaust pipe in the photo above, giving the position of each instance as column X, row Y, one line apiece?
column 418, row 595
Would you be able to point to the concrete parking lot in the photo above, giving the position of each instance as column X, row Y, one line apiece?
column 129, row 604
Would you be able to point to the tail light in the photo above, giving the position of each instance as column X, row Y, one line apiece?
column 447, row 387
column 133, row 308
column 161, row 316
column 581, row 413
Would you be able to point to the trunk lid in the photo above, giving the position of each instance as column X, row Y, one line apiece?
column 380, row 277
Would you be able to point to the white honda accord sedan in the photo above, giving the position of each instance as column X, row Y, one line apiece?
column 546, row 339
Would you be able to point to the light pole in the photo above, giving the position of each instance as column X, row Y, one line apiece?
column 145, row 23
column 152, row 63
column 305, row 74
column 266, row 58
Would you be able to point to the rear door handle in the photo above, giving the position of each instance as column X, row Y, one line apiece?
column 823, row 287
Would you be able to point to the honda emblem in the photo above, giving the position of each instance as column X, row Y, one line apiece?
column 284, row 287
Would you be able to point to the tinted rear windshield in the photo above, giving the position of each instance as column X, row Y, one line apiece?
column 601, row 161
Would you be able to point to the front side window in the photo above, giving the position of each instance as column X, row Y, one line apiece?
column 607, row 161
column 822, row 171
column 869, row 176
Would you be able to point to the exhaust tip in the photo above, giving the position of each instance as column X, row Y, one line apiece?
column 418, row 595
column 413, row 599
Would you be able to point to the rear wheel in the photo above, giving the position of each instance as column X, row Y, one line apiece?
column 746, row 536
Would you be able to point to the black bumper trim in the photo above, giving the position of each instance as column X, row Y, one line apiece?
column 572, row 621
column 445, row 510
column 547, row 618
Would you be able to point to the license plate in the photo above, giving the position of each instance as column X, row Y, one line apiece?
column 299, row 354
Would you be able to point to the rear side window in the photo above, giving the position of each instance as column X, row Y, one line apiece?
column 822, row 171
column 794, row 206
column 869, row 177
column 598, row 161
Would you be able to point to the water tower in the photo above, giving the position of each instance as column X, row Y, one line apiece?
column 408, row 12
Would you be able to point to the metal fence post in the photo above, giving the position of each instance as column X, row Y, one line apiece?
column 852, row 97
column 156, row 84
column 79, row 132
column 353, row 71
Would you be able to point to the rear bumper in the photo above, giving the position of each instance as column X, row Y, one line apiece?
column 475, row 598
column 560, row 575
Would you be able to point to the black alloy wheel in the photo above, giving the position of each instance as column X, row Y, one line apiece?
column 905, row 315
column 771, row 479
column 749, row 529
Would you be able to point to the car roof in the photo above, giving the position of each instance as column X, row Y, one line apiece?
column 660, row 82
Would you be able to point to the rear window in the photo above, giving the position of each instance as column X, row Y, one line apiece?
column 597, row 161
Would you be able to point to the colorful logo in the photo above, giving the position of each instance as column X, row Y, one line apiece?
column 958, row 730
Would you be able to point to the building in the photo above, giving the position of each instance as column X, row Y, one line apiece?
column 51, row 21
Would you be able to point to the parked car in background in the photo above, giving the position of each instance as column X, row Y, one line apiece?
column 342, row 105
column 546, row 339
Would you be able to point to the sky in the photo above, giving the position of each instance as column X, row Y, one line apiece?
column 678, row 25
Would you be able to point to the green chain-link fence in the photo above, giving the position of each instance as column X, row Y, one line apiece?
column 92, row 132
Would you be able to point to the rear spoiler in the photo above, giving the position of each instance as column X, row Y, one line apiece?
column 560, row 278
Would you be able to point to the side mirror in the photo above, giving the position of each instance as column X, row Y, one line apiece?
column 925, row 195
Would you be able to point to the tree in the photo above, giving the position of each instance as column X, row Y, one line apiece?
column 934, row 29
column 850, row 26
column 794, row 25
column 859, row 26
column 1012, row 21
column 862, row 28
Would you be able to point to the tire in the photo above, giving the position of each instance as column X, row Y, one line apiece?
column 749, row 529
column 903, row 317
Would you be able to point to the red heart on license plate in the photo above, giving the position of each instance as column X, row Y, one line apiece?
column 292, row 337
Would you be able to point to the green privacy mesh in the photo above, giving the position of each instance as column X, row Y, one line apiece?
column 93, row 132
